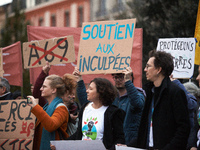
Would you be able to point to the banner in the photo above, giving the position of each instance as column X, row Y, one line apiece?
column 183, row 52
column 197, row 36
column 55, row 51
column 16, row 125
column 40, row 33
column 12, row 64
column 106, row 46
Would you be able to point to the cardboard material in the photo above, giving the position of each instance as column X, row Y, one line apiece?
column 16, row 125
column 106, row 46
column 183, row 52
column 55, row 51
column 78, row 145
column 39, row 33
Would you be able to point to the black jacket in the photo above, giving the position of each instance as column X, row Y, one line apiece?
column 7, row 96
column 170, row 118
column 113, row 127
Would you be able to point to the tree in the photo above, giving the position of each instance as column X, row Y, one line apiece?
column 13, row 31
column 162, row 19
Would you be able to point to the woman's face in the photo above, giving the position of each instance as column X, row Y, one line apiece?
column 92, row 94
column 46, row 90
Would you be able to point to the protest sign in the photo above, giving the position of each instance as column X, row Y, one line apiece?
column 126, row 148
column 183, row 52
column 55, row 51
column 106, row 46
column 78, row 144
column 16, row 125
column 40, row 32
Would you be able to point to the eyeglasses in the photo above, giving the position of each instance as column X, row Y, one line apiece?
column 147, row 66
column 118, row 77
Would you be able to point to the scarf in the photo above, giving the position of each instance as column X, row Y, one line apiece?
column 48, row 136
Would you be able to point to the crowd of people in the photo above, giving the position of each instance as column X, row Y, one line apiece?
column 162, row 115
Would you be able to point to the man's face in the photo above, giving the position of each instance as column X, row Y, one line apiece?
column 119, row 81
column 198, row 77
column 151, row 71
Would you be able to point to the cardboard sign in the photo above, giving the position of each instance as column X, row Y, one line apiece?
column 183, row 52
column 55, row 51
column 16, row 125
column 106, row 46
column 78, row 144
column 1, row 63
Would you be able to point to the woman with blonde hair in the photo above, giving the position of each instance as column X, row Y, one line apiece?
column 54, row 115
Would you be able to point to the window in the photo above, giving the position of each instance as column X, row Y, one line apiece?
column 67, row 19
column 80, row 16
column 53, row 20
column 41, row 21
column 102, row 8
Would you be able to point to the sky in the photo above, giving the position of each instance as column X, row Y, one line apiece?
column 3, row 2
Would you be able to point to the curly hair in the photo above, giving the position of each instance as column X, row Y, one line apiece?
column 65, row 84
column 163, row 60
column 70, row 82
column 107, row 92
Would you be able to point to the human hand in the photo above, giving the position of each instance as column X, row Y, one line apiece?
column 77, row 74
column 171, row 77
column 122, row 145
column 127, row 73
column 46, row 68
column 33, row 101
column 74, row 116
column 193, row 148
column 52, row 147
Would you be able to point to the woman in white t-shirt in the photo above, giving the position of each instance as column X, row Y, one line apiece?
column 98, row 118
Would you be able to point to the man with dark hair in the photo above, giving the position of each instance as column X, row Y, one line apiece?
column 165, row 120
column 131, row 100
column 5, row 93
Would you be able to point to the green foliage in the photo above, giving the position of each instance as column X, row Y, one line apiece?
column 15, row 30
column 162, row 19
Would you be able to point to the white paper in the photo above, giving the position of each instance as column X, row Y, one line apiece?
column 126, row 148
column 78, row 145
column 183, row 52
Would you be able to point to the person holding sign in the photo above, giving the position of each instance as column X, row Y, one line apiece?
column 98, row 118
column 54, row 115
column 131, row 100
column 165, row 120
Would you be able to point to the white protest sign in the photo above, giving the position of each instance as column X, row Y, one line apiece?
column 78, row 144
column 106, row 46
column 126, row 148
column 183, row 52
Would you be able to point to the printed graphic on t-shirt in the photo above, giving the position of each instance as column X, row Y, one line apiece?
column 89, row 129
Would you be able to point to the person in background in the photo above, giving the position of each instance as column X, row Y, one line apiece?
column 5, row 93
column 98, row 118
column 191, row 100
column 53, row 117
column 165, row 120
column 194, row 138
column 18, row 95
column 131, row 99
